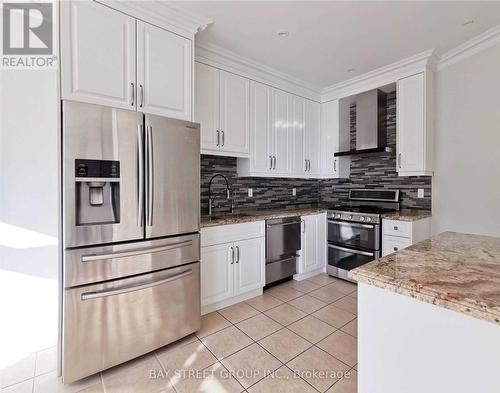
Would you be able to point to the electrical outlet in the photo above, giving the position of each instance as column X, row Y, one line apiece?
column 250, row 192
column 294, row 191
column 420, row 193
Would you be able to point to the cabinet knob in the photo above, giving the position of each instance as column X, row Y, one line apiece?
column 395, row 228
column 396, row 249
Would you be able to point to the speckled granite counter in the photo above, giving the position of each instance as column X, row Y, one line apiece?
column 258, row 215
column 407, row 215
column 457, row 271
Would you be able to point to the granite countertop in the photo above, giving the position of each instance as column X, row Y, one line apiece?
column 407, row 215
column 457, row 271
column 258, row 215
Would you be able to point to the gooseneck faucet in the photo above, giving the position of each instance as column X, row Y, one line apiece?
column 210, row 198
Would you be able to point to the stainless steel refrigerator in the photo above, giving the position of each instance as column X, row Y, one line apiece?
column 131, row 276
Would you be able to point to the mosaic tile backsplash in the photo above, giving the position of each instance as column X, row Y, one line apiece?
column 376, row 170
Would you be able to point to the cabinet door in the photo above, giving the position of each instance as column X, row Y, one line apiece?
column 309, row 251
column 206, row 105
column 260, row 127
column 97, row 54
column 234, row 107
column 313, row 132
column 410, row 124
column 321, row 243
column 392, row 244
column 216, row 273
column 164, row 72
column 297, row 132
column 250, row 265
column 281, row 136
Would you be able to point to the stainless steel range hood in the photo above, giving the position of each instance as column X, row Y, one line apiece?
column 371, row 131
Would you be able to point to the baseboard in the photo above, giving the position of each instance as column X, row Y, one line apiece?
column 229, row 302
column 303, row 276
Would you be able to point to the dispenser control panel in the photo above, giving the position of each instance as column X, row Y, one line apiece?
column 97, row 168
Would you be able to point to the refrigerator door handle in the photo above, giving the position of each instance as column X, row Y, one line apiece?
column 132, row 253
column 140, row 169
column 150, row 174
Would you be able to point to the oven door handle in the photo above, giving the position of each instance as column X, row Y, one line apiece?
column 368, row 254
column 352, row 224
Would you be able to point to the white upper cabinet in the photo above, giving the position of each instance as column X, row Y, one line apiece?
column 281, row 135
column 313, row 140
column 98, row 56
column 414, row 125
column 332, row 141
column 164, row 72
column 222, row 108
column 100, row 65
column 298, row 137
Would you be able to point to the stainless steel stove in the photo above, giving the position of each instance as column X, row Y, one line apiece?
column 354, row 230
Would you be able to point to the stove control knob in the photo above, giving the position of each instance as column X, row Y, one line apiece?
column 368, row 219
column 349, row 217
column 337, row 215
column 361, row 218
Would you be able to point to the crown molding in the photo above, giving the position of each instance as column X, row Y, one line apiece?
column 163, row 14
column 227, row 60
column 468, row 48
column 381, row 76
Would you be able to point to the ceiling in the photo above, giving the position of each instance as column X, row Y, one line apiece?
column 328, row 38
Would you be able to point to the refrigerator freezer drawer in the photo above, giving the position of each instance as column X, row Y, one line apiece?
column 110, row 323
column 95, row 264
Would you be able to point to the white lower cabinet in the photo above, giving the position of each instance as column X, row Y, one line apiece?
column 397, row 235
column 232, row 263
column 313, row 244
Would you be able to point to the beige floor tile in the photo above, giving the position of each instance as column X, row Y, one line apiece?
column 285, row 344
column 238, row 312
column 346, row 384
column 316, row 359
column 311, row 328
column 23, row 387
column 19, row 371
column 264, row 302
column 344, row 286
column 211, row 323
column 304, row 285
column 285, row 314
column 351, row 328
column 348, row 304
column 342, row 346
column 46, row 361
column 354, row 294
column 322, row 279
column 137, row 377
column 226, row 342
column 282, row 381
column 214, row 379
column 327, row 294
column 259, row 326
column 284, row 292
column 51, row 383
column 194, row 356
column 334, row 316
column 251, row 364
column 307, row 303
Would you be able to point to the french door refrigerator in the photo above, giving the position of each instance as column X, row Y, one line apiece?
column 131, row 280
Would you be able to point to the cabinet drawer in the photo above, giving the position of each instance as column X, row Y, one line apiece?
column 392, row 244
column 397, row 228
column 231, row 233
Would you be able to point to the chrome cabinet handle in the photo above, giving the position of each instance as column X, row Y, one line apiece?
column 133, row 94
column 270, row 162
column 223, row 138
column 140, row 169
column 150, row 171
column 274, row 165
column 133, row 288
column 305, row 165
column 142, row 96
column 139, row 251
column 232, row 255
column 309, row 165
column 334, row 165
column 218, row 137
column 237, row 254
column 399, row 160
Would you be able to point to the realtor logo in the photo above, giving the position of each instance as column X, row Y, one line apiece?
column 27, row 29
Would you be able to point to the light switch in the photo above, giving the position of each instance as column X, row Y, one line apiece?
column 250, row 192
column 420, row 193
column 294, row 191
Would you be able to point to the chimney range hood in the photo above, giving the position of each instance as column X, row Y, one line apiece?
column 371, row 131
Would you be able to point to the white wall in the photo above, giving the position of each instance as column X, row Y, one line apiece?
column 29, row 192
column 466, row 185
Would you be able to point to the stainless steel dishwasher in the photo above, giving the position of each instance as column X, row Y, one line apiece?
column 283, row 237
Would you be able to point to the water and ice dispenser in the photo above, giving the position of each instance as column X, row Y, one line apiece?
column 97, row 197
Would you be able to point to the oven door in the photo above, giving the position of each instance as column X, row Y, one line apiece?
column 346, row 259
column 353, row 234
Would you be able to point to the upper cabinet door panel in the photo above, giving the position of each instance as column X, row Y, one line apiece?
column 298, row 135
column 410, row 125
column 206, row 104
column 260, row 127
column 164, row 72
column 97, row 54
column 314, row 137
column 280, row 126
column 234, row 116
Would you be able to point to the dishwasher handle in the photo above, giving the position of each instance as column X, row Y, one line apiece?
column 284, row 223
